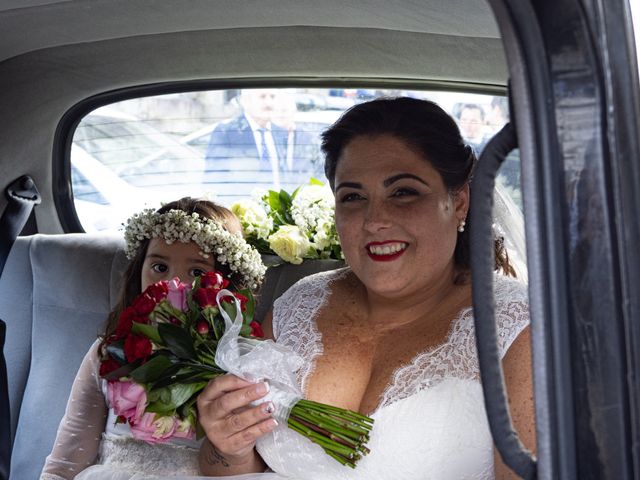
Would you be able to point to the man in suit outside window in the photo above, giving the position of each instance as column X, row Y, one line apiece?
column 249, row 144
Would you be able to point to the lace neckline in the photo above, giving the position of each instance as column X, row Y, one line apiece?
column 295, row 316
column 394, row 390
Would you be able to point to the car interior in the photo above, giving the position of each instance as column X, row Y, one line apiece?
column 567, row 70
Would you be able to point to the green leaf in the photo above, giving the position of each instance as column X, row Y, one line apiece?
column 148, row 331
column 312, row 253
column 154, row 394
column 200, row 433
column 230, row 308
column 181, row 392
column 174, row 396
column 315, row 181
column 250, row 306
column 123, row 371
column 116, row 350
column 160, row 408
column 177, row 340
column 187, row 378
column 188, row 374
column 164, row 311
column 245, row 331
column 152, row 369
column 285, row 200
column 274, row 202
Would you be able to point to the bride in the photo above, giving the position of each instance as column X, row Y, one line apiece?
column 391, row 335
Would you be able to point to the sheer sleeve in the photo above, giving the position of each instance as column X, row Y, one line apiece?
column 80, row 430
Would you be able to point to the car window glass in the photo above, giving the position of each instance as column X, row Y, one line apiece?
column 227, row 145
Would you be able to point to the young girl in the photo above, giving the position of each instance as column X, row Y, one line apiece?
column 175, row 241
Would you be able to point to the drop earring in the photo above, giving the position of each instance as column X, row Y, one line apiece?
column 461, row 225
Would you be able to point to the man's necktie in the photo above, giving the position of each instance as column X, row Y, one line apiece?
column 266, row 162
column 264, row 151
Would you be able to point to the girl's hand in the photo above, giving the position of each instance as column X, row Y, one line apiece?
column 232, row 425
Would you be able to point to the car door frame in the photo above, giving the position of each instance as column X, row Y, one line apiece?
column 573, row 71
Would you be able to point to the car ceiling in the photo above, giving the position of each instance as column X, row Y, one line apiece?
column 55, row 54
column 65, row 22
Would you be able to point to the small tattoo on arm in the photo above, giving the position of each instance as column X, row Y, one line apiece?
column 214, row 457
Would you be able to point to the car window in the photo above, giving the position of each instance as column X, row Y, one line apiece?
column 231, row 144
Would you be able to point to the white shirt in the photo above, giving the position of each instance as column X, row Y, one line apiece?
column 271, row 148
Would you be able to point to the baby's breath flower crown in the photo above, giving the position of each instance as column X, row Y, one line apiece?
column 228, row 248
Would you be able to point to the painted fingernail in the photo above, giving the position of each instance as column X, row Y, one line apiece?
column 268, row 407
column 272, row 423
column 262, row 388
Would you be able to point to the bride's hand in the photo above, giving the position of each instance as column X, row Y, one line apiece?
column 231, row 424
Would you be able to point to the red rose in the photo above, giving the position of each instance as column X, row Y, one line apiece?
column 108, row 366
column 125, row 322
column 127, row 317
column 157, row 291
column 256, row 330
column 137, row 347
column 213, row 280
column 242, row 299
column 206, row 297
column 144, row 304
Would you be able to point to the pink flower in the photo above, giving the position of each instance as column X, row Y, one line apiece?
column 177, row 295
column 128, row 399
column 184, row 429
column 153, row 429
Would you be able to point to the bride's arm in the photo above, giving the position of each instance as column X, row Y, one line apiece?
column 232, row 427
column 518, row 377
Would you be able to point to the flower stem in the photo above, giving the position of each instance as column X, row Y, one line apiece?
column 341, row 433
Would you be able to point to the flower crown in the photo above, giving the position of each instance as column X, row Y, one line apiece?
column 228, row 248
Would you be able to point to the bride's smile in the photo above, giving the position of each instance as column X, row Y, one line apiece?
column 386, row 251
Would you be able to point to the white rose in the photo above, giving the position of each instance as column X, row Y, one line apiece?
column 253, row 217
column 290, row 244
column 310, row 194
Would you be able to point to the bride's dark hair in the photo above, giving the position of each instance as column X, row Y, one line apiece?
column 428, row 130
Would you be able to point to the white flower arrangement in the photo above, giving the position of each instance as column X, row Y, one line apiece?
column 177, row 225
column 295, row 226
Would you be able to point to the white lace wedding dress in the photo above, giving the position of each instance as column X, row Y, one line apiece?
column 430, row 422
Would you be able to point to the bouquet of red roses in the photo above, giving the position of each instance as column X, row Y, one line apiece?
column 175, row 337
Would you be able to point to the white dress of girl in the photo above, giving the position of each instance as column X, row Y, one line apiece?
column 430, row 422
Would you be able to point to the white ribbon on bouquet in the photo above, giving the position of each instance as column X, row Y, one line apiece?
column 257, row 360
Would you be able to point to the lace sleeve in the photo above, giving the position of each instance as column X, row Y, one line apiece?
column 512, row 310
column 80, row 430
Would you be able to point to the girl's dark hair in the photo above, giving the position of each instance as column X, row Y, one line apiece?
column 132, row 277
column 429, row 131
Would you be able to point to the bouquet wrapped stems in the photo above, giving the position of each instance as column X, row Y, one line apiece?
column 341, row 433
